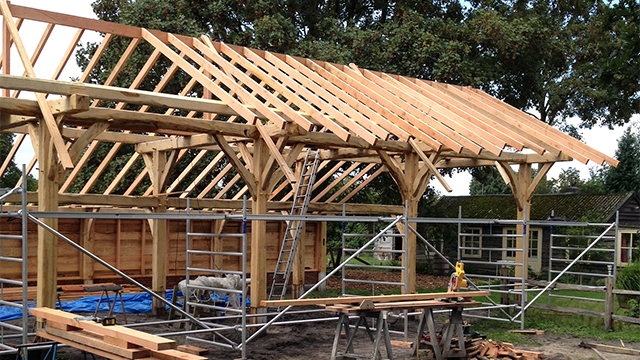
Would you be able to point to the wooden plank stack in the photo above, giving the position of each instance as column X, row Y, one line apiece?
column 113, row 342
column 489, row 349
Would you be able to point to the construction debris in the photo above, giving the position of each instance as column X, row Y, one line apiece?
column 528, row 332
column 488, row 349
column 609, row 348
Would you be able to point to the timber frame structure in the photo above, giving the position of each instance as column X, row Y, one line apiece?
column 257, row 113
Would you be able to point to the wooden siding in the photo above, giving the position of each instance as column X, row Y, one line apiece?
column 127, row 245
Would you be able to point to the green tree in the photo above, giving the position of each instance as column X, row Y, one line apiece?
column 549, row 58
column 487, row 180
column 13, row 173
column 626, row 176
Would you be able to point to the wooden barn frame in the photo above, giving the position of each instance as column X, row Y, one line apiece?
column 258, row 112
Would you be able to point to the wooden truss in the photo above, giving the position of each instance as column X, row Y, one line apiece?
column 257, row 114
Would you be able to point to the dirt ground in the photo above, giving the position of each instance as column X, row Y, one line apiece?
column 314, row 340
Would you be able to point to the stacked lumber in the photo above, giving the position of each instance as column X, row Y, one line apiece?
column 353, row 304
column 112, row 342
column 65, row 292
column 489, row 349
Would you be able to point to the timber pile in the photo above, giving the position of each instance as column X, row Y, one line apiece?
column 112, row 342
column 66, row 292
column 384, row 302
column 489, row 349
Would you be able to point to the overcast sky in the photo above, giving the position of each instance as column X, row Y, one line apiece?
column 601, row 139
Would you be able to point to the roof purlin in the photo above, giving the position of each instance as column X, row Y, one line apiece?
column 343, row 107
column 379, row 104
column 434, row 129
column 231, row 70
column 570, row 142
column 298, row 92
column 447, row 97
column 319, row 74
column 306, row 107
column 469, row 130
column 459, row 109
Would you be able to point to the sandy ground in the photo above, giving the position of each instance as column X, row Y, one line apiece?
column 314, row 340
column 304, row 341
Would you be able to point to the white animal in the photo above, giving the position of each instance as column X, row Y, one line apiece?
column 217, row 285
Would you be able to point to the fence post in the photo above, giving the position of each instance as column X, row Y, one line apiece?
column 609, row 303
column 504, row 297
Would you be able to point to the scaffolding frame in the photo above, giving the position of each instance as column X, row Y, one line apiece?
column 207, row 324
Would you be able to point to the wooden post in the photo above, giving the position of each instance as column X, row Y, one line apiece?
column 297, row 273
column 322, row 254
column 143, row 246
column 504, row 297
column 524, row 180
column 118, row 242
column 259, row 229
column 86, row 227
column 297, row 282
column 6, row 55
column 411, row 172
column 158, row 230
column 47, row 201
column 609, row 304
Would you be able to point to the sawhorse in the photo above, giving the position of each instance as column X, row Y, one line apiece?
column 117, row 289
column 382, row 331
column 442, row 349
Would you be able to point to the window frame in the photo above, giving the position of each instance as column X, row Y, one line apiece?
column 468, row 253
column 529, row 247
column 628, row 248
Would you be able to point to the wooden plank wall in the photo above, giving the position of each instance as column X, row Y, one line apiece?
column 126, row 244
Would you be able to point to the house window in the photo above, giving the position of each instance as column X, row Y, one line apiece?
column 626, row 243
column 509, row 242
column 473, row 239
column 534, row 243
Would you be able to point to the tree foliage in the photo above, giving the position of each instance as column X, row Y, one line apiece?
column 626, row 176
column 13, row 173
column 553, row 59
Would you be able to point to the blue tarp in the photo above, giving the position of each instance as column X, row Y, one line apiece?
column 133, row 303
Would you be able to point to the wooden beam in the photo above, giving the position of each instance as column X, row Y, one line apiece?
column 195, row 73
column 395, row 172
column 513, row 181
column 266, row 73
column 374, row 299
column 467, row 129
column 541, row 175
column 207, row 47
column 5, row 61
column 362, row 185
column 246, row 175
column 346, row 96
column 47, row 201
column 336, row 108
column 276, row 175
column 49, row 120
column 116, row 94
column 335, row 182
column 38, row 50
column 430, row 165
column 350, row 183
column 275, row 152
column 75, row 151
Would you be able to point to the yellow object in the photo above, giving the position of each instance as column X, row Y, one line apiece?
column 457, row 280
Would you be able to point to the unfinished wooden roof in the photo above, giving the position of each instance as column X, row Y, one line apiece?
column 362, row 118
